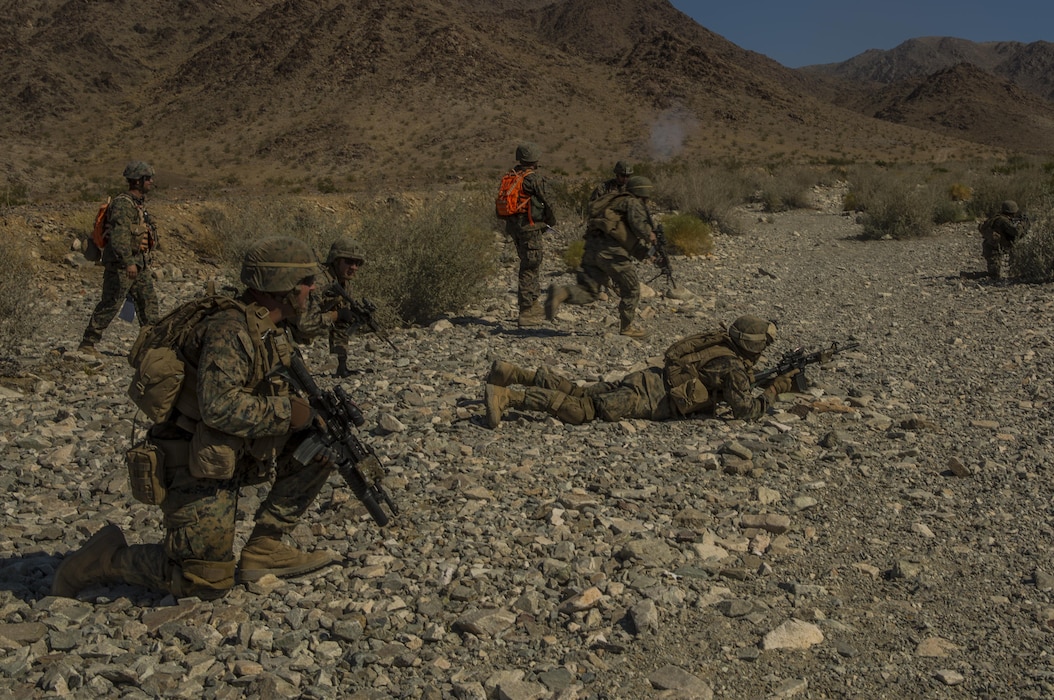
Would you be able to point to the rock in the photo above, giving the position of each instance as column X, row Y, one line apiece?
column 793, row 634
column 935, row 647
column 675, row 678
column 645, row 616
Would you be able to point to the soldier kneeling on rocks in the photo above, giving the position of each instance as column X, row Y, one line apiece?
column 238, row 423
column 700, row 372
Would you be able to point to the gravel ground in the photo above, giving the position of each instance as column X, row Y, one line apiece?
column 884, row 535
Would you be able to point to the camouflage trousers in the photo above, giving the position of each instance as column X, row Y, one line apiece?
column 530, row 249
column 605, row 262
column 116, row 287
column 196, row 557
column 997, row 259
column 637, row 395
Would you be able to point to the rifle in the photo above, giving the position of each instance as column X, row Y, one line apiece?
column 364, row 311
column 661, row 255
column 659, row 252
column 334, row 437
column 799, row 359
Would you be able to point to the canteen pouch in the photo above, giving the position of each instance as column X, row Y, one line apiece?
column 213, row 454
column 146, row 473
column 689, row 396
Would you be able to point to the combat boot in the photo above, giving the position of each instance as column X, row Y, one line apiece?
column 91, row 564
column 507, row 374
column 553, row 300
column 531, row 317
column 87, row 348
column 497, row 399
column 342, row 367
column 633, row 331
column 265, row 554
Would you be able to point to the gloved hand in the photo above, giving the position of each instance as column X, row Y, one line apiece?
column 300, row 413
column 781, row 384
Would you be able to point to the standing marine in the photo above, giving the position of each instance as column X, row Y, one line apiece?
column 700, row 373
column 331, row 305
column 998, row 235
column 131, row 236
column 527, row 229
column 235, row 423
column 623, row 171
column 618, row 234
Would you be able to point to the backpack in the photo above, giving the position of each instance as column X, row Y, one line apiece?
column 511, row 199
column 98, row 238
column 605, row 220
column 156, row 357
column 683, row 359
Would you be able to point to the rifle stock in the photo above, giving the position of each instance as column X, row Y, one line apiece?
column 334, row 438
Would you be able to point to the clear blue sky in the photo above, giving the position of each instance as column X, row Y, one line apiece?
column 825, row 31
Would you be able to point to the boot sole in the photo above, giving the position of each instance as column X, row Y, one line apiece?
column 249, row 575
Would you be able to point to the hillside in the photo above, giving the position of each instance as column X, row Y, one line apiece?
column 1026, row 65
column 967, row 102
column 369, row 94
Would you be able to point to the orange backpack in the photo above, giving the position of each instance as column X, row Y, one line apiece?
column 512, row 200
column 98, row 234
column 98, row 238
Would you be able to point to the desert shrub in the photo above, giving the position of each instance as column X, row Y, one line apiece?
column 231, row 227
column 431, row 261
column 1032, row 257
column 709, row 192
column 688, row 234
column 572, row 255
column 950, row 211
column 960, row 192
column 787, row 188
column 18, row 317
column 893, row 204
column 13, row 193
column 1023, row 186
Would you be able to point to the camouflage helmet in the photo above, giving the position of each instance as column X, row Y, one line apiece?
column 752, row 334
column 137, row 169
column 528, row 153
column 623, row 168
column 277, row 264
column 343, row 248
column 639, row 186
column 1009, row 207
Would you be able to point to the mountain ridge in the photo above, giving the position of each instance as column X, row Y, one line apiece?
column 369, row 94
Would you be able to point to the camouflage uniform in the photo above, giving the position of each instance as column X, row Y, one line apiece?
column 329, row 311
column 527, row 230
column 606, row 259
column 127, row 225
column 608, row 187
column 616, row 184
column 700, row 373
column 998, row 234
column 233, row 425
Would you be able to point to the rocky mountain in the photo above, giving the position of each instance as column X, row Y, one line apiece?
column 294, row 94
column 1026, row 65
column 995, row 93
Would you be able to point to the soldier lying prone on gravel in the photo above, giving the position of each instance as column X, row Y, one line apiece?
column 700, row 372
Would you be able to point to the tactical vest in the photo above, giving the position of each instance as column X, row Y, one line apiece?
column 684, row 359
column 215, row 454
